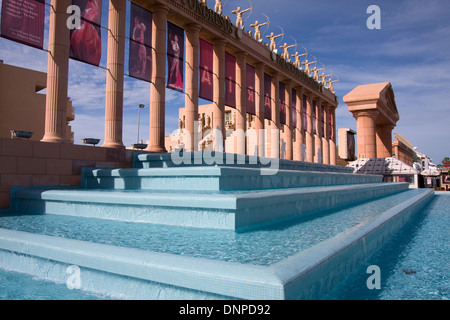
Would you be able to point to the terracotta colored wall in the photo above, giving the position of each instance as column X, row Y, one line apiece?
column 34, row 163
column 21, row 107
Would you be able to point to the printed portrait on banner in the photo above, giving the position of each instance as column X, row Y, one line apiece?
column 230, row 80
column 282, row 103
column 140, row 54
column 86, row 43
column 175, row 55
column 294, row 108
column 250, row 71
column 206, row 70
column 267, row 96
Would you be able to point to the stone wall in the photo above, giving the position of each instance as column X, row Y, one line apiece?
column 35, row 163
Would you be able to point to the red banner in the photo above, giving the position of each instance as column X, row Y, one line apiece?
column 175, row 54
column 282, row 103
column 314, row 117
column 206, row 70
column 140, row 55
column 304, row 114
column 267, row 96
column 230, row 80
column 446, row 164
column 294, row 108
column 23, row 21
column 250, row 71
column 86, row 43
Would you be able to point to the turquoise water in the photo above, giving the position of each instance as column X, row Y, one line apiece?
column 17, row 286
column 414, row 264
column 264, row 246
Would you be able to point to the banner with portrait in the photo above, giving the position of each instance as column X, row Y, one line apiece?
column 206, row 70
column 267, row 96
column 86, row 42
column 294, row 108
column 230, row 80
column 314, row 117
column 282, row 103
column 140, row 54
column 304, row 114
column 175, row 57
column 250, row 72
column 351, row 146
column 23, row 21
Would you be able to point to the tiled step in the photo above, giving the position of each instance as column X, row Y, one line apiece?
column 214, row 179
column 203, row 159
column 135, row 273
column 221, row 210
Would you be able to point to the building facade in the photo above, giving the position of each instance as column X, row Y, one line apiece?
column 301, row 108
column 22, row 106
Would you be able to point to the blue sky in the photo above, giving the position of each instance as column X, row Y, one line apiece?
column 411, row 50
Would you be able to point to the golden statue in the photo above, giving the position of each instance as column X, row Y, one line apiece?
column 298, row 63
column 272, row 37
column 307, row 64
column 330, row 84
column 286, row 48
column 316, row 73
column 257, row 27
column 324, row 78
column 239, row 20
column 218, row 7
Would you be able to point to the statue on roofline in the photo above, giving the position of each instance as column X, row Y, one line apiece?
column 286, row 48
column 218, row 8
column 297, row 62
column 307, row 68
column 273, row 44
column 257, row 27
column 239, row 20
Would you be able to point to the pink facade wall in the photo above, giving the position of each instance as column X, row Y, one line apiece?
column 34, row 163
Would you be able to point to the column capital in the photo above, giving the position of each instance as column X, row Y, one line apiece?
column 160, row 8
column 260, row 65
column 192, row 27
column 241, row 55
column 373, row 114
column 299, row 89
column 220, row 42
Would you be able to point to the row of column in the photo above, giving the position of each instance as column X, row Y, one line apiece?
column 319, row 147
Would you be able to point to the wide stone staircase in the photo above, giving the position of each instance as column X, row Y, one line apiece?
column 215, row 203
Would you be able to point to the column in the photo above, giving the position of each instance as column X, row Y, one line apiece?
column 158, row 86
column 326, row 135
column 57, row 73
column 219, row 90
column 114, row 75
column 299, row 141
column 275, row 109
column 260, row 112
column 191, row 83
column 366, row 133
column 384, row 140
column 309, row 132
column 333, row 135
column 288, row 127
column 241, row 102
column 318, row 136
